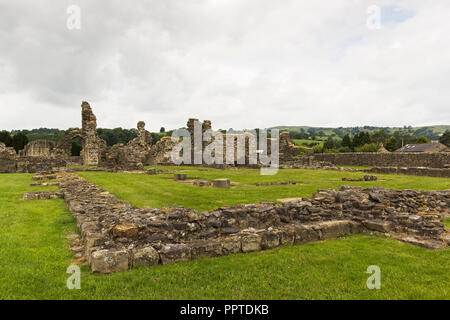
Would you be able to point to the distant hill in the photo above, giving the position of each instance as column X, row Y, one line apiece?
column 429, row 132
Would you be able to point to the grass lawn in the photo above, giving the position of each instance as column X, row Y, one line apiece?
column 34, row 253
column 161, row 191
column 306, row 142
column 357, row 167
column 446, row 222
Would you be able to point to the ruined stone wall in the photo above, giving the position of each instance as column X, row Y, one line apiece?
column 10, row 162
column 38, row 148
column 117, row 236
column 132, row 156
column 394, row 159
column 93, row 147
column 7, row 159
column 161, row 152
column 287, row 150
column 39, row 164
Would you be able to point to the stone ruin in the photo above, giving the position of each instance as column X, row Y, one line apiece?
column 92, row 145
column 117, row 236
column 133, row 155
column 38, row 148
column 7, row 159
column 288, row 152
column 43, row 155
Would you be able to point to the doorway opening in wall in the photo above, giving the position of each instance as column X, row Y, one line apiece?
column 77, row 146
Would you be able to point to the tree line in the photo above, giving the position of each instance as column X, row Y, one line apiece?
column 18, row 139
column 359, row 141
column 372, row 142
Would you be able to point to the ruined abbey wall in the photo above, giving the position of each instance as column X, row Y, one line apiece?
column 117, row 236
column 393, row 159
column 38, row 148
column 133, row 155
column 10, row 162
column 287, row 150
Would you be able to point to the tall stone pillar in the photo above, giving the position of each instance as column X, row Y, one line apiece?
column 91, row 146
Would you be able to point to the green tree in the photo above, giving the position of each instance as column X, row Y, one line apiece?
column 345, row 149
column 329, row 144
column 422, row 139
column 19, row 141
column 347, row 142
column 370, row 147
column 162, row 130
column 391, row 144
column 361, row 139
column 445, row 138
column 379, row 136
column 5, row 137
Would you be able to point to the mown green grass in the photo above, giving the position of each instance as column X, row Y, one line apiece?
column 306, row 142
column 34, row 256
column 161, row 191
column 357, row 167
column 446, row 222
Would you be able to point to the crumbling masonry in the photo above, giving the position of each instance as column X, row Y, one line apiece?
column 117, row 236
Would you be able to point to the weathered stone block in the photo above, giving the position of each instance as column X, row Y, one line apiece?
column 152, row 171
column 425, row 243
column 95, row 240
column 126, row 230
column 109, row 260
column 334, row 229
column 171, row 253
column 287, row 235
column 44, row 177
column 206, row 249
column 251, row 242
column 269, row 240
column 370, row 178
column 305, row 233
column 231, row 245
column 221, row 183
column 201, row 183
column 378, row 225
column 43, row 195
column 179, row 176
column 146, row 256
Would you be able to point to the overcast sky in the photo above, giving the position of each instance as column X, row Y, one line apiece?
column 239, row 63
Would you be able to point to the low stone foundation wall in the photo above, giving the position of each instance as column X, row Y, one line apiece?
column 117, row 236
column 392, row 159
column 39, row 164
column 430, row 172
column 16, row 164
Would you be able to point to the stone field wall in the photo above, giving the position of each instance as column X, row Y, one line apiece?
column 116, row 236
column 393, row 159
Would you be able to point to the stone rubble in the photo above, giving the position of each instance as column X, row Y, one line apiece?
column 117, row 236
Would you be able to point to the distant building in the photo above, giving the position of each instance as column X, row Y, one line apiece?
column 424, row 147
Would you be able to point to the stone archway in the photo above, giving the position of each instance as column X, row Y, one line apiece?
column 64, row 146
column 92, row 145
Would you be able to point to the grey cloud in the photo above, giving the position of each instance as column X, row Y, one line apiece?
column 240, row 63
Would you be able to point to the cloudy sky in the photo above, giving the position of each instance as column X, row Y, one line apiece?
column 239, row 63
